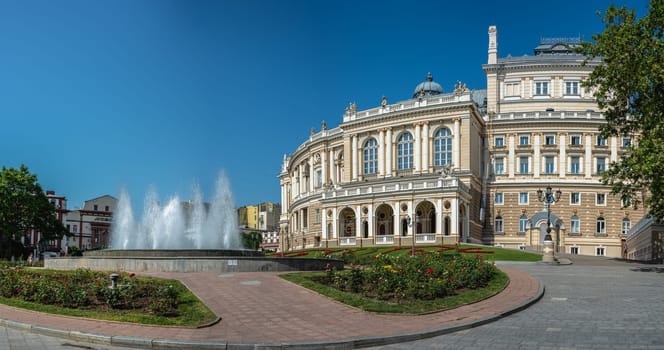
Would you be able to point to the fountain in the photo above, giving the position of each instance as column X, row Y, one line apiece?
column 191, row 236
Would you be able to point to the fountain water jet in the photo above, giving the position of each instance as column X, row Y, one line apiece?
column 178, row 225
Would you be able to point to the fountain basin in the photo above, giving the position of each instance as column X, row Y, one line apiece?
column 189, row 260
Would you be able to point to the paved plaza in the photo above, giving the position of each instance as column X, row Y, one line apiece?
column 595, row 303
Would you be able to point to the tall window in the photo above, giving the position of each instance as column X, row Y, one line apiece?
column 499, row 141
column 523, row 223
column 600, row 199
column 498, row 198
column 575, row 198
column 626, row 142
column 442, row 147
column 541, row 88
column 575, row 225
column 626, row 226
column 370, row 152
column 523, row 198
column 601, row 226
column 575, row 140
column 524, row 140
column 550, row 140
column 499, row 166
column 549, row 165
column 499, row 224
column 405, row 151
column 600, row 141
column 319, row 178
column 571, row 88
column 523, row 165
column 574, row 165
column 601, row 165
column 599, row 251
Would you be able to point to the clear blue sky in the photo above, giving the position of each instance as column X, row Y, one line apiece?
column 96, row 96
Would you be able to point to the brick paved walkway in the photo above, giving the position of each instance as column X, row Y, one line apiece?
column 261, row 308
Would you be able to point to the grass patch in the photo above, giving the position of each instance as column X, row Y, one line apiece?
column 306, row 280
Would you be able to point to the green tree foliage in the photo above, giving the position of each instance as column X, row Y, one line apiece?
column 24, row 206
column 252, row 240
column 629, row 87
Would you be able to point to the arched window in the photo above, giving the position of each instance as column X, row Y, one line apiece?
column 523, row 223
column 442, row 147
column 575, row 225
column 370, row 153
column 405, row 151
column 499, row 224
column 601, row 226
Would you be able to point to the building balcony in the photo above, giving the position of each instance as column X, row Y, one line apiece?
column 440, row 184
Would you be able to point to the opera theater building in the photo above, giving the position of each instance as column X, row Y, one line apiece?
column 496, row 166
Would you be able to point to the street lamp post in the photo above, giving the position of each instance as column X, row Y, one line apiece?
column 548, row 197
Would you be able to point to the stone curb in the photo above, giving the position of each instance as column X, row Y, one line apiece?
column 353, row 343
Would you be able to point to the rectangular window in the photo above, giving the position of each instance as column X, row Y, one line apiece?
column 524, row 140
column 599, row 251
column 627, row 142
column 95, row 207
column 541, row 88
column 572, row 88
column 549, row 165
column 523, row 224
column 600, row 199
column 523, row 165
column 317, row 217
column 499, row 224
column 601, row 165
column 304, row 218
column 512, row 89
column 499, row 141
column 574, row 165
column 575, row 140
column 499, row 166
column 600, row 141
column 550, row 140
column 319, row 178
column 523, row 198
column 108, row 208
column 74, row 228
column 575, row 198
column 498, row 198
column 574, row 250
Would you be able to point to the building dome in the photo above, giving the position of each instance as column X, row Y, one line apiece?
column 427, row 88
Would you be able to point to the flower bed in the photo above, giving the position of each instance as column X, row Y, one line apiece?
column 406, row 278
column 85, row 289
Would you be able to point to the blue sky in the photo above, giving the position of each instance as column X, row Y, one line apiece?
column 96, row 96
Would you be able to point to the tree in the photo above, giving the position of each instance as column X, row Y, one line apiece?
column 24, row 206
column 252, row 240
column 629, row 87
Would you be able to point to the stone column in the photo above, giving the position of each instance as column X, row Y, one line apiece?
column 510, row 162
column 425, row 147
column 381, row 152
column 537, row 158
column 614, row 150
column 388, row 153
column 335, row 223
column 456, row 151
column 323, row 214
column 323, row 166
column 418, row 148
column 588, row 161
column 333, row 175
column 354, row 158
column 562, row 167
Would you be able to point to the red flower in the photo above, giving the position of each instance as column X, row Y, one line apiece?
column 429, row 271
column 132, row 274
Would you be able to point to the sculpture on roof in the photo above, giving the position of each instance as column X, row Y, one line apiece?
column 383, row 102
column 460, row 87
column 323, row 125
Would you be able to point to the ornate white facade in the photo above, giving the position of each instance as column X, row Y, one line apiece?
column 463, row 166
